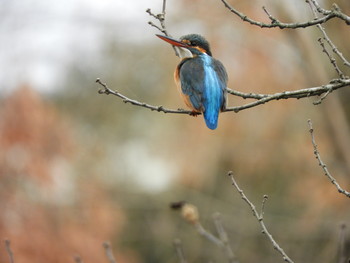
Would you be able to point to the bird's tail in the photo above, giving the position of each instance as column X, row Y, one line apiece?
column 211, row 117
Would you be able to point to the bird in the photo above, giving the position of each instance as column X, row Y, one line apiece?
column 200, row 78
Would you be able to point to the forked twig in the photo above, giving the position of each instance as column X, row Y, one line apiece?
column 259, row 217
column 327, row 15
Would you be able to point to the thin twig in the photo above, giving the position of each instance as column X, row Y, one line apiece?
column 259, row 217
column 179, row 251
column 275, row 23
column 265, row 198
column 9, row 250
column 331, row 58
column 109, row 252
column 161, row 18
column 314, row 3
column 224, row 238
column 323, row 165
column 330, row 43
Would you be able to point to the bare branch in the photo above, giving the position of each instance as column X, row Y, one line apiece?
column 261, row 98
column 161, row 18
column 329, row 41
column 179, row 250
column 331, row 58
column 109, row 252
column 125, row 99
column 276, row 23
column 9, row 250
column 209, row 236
column 259, row 217
column 323, row 165
column 302, row 93
column 224, row 238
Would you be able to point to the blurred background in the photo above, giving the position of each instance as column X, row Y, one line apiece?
column 78, row 168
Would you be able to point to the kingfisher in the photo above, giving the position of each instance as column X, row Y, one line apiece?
column 200, row 78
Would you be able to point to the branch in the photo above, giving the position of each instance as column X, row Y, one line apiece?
column 259, row 217
column 323, row 165
column 109, row 252
column 329, row 14
column 107, row 91
column 297, row 94
column 161, row 18
column 179, row 251
column 209, row 236
column 190, row 213
column 224, row 238
column 261, row 98
column 330, row 43
column 9, row 250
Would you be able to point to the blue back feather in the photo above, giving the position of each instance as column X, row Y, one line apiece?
column 213, row 95
column 204, row 79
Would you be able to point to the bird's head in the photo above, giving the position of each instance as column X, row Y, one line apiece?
column 189, row 45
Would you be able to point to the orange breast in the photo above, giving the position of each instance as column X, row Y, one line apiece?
column 185, row 97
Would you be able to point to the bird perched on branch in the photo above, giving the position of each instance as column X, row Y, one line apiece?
column 200, row 78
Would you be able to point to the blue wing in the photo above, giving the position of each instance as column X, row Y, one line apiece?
column 203, row 80
column 192, row 81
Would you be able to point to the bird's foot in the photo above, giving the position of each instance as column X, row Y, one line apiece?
column 194, row 113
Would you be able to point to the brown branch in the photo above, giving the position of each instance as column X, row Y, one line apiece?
column 278, row 24
column 259, row 217
column 161, row 18
column 9, row 250
column 107, row 91
column 314, row 4
column 331, row 59
column 261, row 98
column 323, row 165
column 109, row 253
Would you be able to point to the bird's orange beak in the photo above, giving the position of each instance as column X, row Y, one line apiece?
column 172, row 41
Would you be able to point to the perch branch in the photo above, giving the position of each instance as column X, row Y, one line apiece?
column 275, row 23
column 260, row 98
column 323, row 165
column 259, row 217
column 107, row 91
